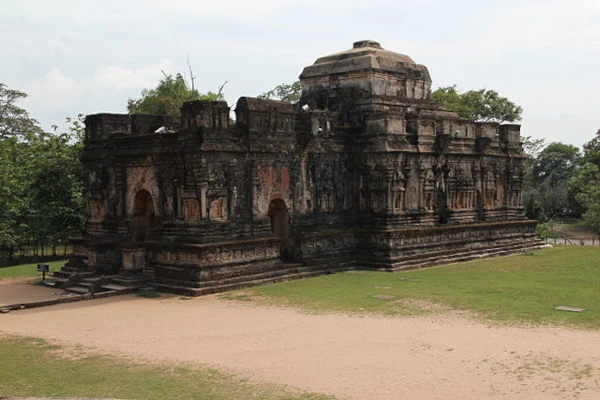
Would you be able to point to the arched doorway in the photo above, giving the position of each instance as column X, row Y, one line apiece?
column 143, row 215
column 281, row 228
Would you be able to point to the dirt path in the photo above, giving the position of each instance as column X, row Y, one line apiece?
column 14, row 291
column 352, row 357
column 576, row 232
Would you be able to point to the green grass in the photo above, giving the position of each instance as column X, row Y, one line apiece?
column 32, row 368
column 148, row 293
column 521, row 289
column 28, row 270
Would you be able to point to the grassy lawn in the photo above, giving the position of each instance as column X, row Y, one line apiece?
column 28, row 270
column 521, row 289
column 31, row 369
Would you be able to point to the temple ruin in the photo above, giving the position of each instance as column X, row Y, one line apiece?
column 364, row 172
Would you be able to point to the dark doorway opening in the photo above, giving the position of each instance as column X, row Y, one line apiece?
column 143, row 215
column 281, row 228
column 442, row 207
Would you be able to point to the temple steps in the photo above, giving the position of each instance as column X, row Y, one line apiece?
column 126, row 281
column 61, row 274
column 77, row 289
column 120, row 288
column 82, row 280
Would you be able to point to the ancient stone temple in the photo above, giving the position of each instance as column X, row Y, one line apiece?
column 365, row 172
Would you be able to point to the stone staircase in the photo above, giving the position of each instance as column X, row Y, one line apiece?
column 75, row 270
column 127, row 281
column 78, row 278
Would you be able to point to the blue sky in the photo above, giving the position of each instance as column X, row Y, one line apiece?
column 76, row 57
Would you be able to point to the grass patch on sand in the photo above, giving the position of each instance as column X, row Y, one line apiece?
column 148, row 293
column 34, row 369
column 522, row 289
column 25, row 271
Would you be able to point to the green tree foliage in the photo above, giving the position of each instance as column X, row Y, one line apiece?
column 591, row 150
column 478, row 105
column 56, row 209
column 168, row 97
column 14, row 120
column 554, row 168
column 532, row 148
column 284, row 92
column 14, row 174
column 41, row 198
column 533, row 205
column 586, row 183
column 556, row 163
column 547, row 180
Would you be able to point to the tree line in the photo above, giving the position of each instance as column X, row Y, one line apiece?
column 41, row 190
column 41, row 185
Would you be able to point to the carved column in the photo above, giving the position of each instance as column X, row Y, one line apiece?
column 176, row 198
column 203, row 200
column 388, row 178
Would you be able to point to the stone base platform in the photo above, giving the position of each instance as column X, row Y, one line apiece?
column 195, row 270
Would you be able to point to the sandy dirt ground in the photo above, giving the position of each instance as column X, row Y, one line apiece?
column 576, row 232
column 445, row 357
column 14, row 291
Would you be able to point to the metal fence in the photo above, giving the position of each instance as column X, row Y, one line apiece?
column 593, row 241
column 34, row 252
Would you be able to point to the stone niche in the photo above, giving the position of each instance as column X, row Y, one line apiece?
column 364, row 172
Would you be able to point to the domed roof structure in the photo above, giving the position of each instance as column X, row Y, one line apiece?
column 370, row 67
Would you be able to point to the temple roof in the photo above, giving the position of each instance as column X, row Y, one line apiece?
column 365, row 55
column 366, row 47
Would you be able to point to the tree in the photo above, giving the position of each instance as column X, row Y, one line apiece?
column 284, row 92
column 556, row 163
column 17, row 131
column 478, row 105
column 14, row 178
column 531, row 195
column 55, row 195
column 168, row 97
column 547, row 181
column 586, row 184
column 591, row 150
column 14, row 120
column 41, row 188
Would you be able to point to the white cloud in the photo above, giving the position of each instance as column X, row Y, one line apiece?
column 531, row 25
column 107, row 89
column 54, row 89
column 118, row 79
column 236, row 10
